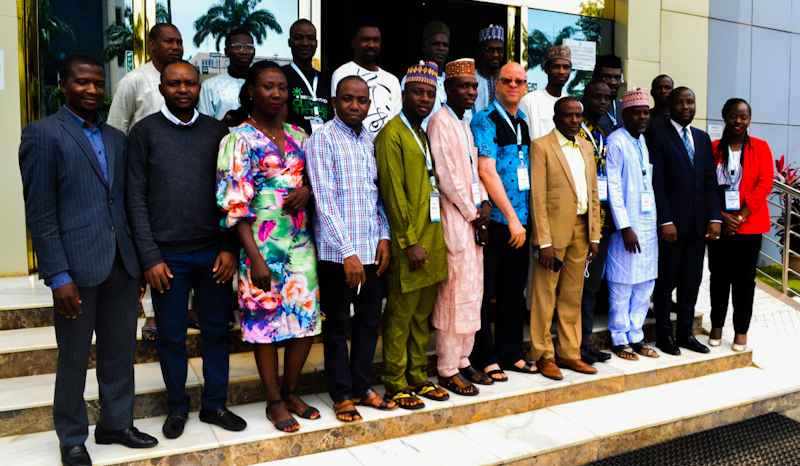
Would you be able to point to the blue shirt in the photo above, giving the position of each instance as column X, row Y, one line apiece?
column 495, row 139
column 94, row 133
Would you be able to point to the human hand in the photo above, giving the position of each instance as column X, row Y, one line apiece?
column 158, row 277
column 669, row 233
column 631, row 241
column 67, row 301
column 354, row 274
column 224, row 266
column 296, row 200
column 417, row 256
column 382, row 256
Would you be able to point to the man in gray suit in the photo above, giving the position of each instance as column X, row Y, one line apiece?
column 73, row 175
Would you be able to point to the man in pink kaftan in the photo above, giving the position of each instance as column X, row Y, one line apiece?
column 465, row 211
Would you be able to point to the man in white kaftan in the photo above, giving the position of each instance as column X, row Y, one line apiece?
column 632, row 263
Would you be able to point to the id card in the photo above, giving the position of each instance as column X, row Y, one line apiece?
column 648, row 201
column 602, row 189
column 316, row 123
column 436, row 214
column 732, row 200
column 523, row 180
column 476, row 193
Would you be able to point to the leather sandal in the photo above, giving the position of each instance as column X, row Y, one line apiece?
column 431, row 391
column 309, row 412
column 287, row 425
column 644, row 350
column 458, row 385
column 406, row 399
column 346, row 411
column 474, row 376
column 625, row 352
column 373, row 400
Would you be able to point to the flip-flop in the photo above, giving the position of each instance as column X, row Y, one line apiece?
column 494, row 372
column 430, row 391
column 310, row 412
column 528, row 368
column 415, row 402
column 288, row 426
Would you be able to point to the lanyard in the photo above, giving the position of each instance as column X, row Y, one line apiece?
column 598, row 145
column 466, row 142
column 517, row 130
column 642, row 163
column 425, row 150
column 610, row 115
column 734, row 171
column 311, row 89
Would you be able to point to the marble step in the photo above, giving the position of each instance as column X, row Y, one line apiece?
column 627, row 405
column 26, row 402
column 33, row 351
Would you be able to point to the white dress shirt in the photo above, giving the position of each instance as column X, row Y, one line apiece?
column 177, row 121
column 137, row 96
column 679, row 129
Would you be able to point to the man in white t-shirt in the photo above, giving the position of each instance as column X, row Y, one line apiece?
column 538, row 105
column 385, row 95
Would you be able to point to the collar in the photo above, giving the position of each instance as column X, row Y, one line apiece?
column 83, row 123
column 343, row 127
column 679, row 128
column 564, row 142
column 517, row 116
column 177, row 121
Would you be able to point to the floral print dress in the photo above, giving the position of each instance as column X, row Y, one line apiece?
column 253, row 180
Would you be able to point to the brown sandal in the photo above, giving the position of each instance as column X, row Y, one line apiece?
column 373, row 400
column 625, row 352
column 346, row 411
column 645, row 350
column 459, row 385
column 431, row 391
column 406, row 399
column 474, row 376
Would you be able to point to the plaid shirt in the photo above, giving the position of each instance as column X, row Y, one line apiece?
column 350, row 217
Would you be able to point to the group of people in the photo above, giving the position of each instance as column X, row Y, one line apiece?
column 455, row 194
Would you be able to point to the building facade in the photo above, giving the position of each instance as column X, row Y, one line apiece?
column 719, row 48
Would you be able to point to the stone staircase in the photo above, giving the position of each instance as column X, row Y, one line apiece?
column 529, row 402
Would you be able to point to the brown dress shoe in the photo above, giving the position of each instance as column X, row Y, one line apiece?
column 549, row 369
column 576, row 365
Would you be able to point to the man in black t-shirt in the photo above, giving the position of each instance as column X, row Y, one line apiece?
column 309, row 91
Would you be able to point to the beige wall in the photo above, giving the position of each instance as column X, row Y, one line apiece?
column 13, row 252
column 665, row 36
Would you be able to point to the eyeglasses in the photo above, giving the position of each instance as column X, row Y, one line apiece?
column 516, row 82
column 242, row 47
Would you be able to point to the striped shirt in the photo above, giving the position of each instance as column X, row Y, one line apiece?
column 350, row 217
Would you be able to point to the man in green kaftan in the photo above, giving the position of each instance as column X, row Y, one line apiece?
column 411, row 200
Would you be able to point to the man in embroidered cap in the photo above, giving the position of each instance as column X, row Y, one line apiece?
column 435, row 48
column 632, row 263
column 465, row 218
column 491, row 53
column 418, row 262
column 538, row 104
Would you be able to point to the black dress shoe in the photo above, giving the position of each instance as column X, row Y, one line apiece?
column 692, row 344
column 130, row 437
column 75, row 456
column 588, row 357
column 668, row 346
column 223, row 418
column 601, row 356
column 173, row 425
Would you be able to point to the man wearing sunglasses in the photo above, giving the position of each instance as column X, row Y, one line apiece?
column 220, row 94
column 538, row 104
column 309, row 91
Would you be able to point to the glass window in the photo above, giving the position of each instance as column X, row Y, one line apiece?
column 103, row 30
column 548, row 28
column 204, row 23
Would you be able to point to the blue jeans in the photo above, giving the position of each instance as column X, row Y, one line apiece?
column 192, row 270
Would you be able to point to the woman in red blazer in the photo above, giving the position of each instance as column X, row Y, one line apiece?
column 744, row 174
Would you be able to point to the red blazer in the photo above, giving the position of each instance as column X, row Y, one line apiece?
column 757, row 175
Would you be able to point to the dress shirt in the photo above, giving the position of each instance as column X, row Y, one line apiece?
column 177, row 121
column 94, row 133
column 220, row 95
column 136, row 97
column 679, row 129
column 577, row 167
column 344, row 176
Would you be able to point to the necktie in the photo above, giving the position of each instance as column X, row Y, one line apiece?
column 688, row 144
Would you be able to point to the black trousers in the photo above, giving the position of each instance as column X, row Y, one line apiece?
column 349, row 375
column 591, row 290
column 732, row 261
column 109, row 310
column 680, row 265
column 505, row 275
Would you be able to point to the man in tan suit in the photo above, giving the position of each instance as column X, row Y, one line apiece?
column 566, row 227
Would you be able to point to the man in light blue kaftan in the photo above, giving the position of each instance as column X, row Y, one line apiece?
column 632, row 264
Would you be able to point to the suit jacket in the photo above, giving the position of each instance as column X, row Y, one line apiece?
column 76, row 218
column 554, row 201
column 686, row 191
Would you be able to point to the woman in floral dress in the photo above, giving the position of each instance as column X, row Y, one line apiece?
column 262, row 189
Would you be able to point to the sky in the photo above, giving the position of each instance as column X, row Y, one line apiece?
column 185, row 12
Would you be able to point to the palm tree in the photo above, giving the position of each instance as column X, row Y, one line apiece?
column 120, row 37
column 231, row 14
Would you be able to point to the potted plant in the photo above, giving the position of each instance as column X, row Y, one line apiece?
column 789, row 174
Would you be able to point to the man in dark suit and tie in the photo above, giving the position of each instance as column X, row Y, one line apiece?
column 73, row 175
column 687, row 202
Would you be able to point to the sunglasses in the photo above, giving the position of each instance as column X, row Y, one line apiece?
column 516, row 82
column 242, row 47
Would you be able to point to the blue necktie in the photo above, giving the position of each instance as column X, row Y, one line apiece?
column 688, row 144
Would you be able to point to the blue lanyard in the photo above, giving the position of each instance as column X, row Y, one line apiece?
column 517, row 130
